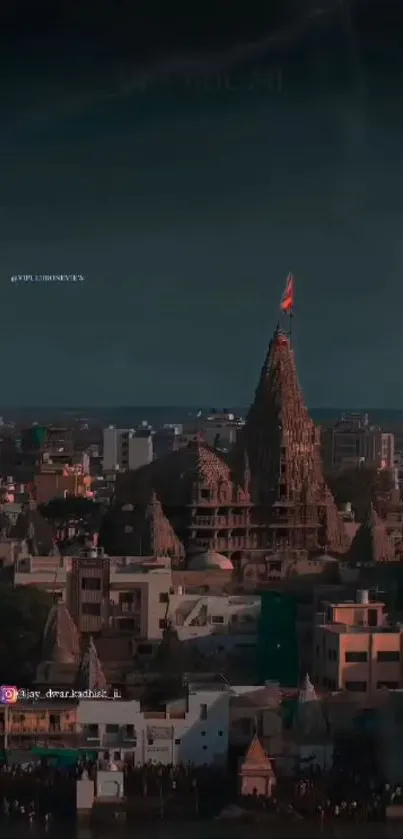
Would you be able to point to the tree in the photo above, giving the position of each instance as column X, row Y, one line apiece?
column 63, row 510
column 362, row 486
column 23, row 613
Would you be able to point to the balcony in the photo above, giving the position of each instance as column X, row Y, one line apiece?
column 218, row 522
column 40, row 729
column 123, row 736
column 118, row 740
column 90, row 741
column 126, row 609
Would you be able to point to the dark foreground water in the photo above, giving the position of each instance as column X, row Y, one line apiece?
column 211, row 830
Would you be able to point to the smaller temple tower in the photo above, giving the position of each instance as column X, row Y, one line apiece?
column 256, row 774
column 90, row 674
column 371, row 543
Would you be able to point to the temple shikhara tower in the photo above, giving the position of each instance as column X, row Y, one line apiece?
column 267, row 498
column 292, row 505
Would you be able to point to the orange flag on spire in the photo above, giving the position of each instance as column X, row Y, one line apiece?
column 287, row 300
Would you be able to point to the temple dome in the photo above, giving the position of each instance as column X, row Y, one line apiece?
column 210, row 560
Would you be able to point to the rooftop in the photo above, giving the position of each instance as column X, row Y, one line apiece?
column 345, row 628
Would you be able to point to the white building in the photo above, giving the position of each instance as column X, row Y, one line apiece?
column 143, row 594
column 126, row 448
column 194, row 730
column 220, row 429
column 216, row 623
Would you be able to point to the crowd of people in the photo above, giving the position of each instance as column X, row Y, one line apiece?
column 38, row 793
column 194, row 790
column 41, row 793
column 347, row 797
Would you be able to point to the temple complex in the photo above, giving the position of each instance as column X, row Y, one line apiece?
column 268, row 497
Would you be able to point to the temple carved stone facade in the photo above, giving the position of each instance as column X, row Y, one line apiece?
column 268, row 497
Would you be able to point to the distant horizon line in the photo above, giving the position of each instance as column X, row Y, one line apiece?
column 183, row 407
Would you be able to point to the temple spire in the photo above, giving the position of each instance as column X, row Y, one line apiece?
column 246, row 473
column 310, row 720
column 159, row 538
column 283, row 447
column 371, row 542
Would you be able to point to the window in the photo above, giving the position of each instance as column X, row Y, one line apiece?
column 389, row 685
column 204, row 748
column 91, row 583
column 145, row 649
column 111, row 728
column 54, row 722
column 203, row 733
column 388, row 655
column 162, row 623
column 91, row 731
column 177, row 742
column 164, row 597
column 217, row 619
column 126, row 597
column 91, row 609
column 356, row 657
column 245, row 725
column 372, row 617
column 220, row 733
column 275, row 565
column 130, row 731
column 128, row 625
column 203, row 712
column 356, row 687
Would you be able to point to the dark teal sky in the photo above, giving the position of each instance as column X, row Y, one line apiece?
column 185, row 215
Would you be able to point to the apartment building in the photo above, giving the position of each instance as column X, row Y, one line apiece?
column 357, row 648
column 228, row 623
column 133, row 594
column 49, row 573
column 352, row 441
column 57, row 480
column 193, row 729
column 126, row 448
column 31, row 725
column 123, row 593
column 220, row 429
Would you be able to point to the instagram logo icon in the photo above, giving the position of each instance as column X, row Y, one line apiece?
column 8, row 694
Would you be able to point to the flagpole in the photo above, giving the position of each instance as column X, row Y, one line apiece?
column 287, row 303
